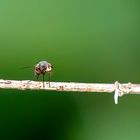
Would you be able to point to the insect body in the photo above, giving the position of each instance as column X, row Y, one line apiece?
column 41, row 68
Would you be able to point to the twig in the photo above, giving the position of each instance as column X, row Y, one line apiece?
column 119, row 89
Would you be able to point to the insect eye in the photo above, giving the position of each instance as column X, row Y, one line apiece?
column 37, row 69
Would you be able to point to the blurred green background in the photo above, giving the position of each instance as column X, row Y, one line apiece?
column 86, row 41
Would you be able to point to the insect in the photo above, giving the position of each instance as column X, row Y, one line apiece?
column 41, row 68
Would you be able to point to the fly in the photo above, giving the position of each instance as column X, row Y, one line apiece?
column 41, row 68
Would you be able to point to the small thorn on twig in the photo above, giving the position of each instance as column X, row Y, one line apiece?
column 118, row 92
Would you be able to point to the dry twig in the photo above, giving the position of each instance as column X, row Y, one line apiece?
column 119, row 89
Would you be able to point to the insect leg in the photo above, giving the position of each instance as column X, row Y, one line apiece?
column 36, row 76
column 43, row 75
column 49, row 78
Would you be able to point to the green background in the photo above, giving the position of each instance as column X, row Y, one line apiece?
column 87, row 41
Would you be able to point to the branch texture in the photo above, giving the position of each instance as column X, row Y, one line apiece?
column 127, row 88
column 118, row 89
